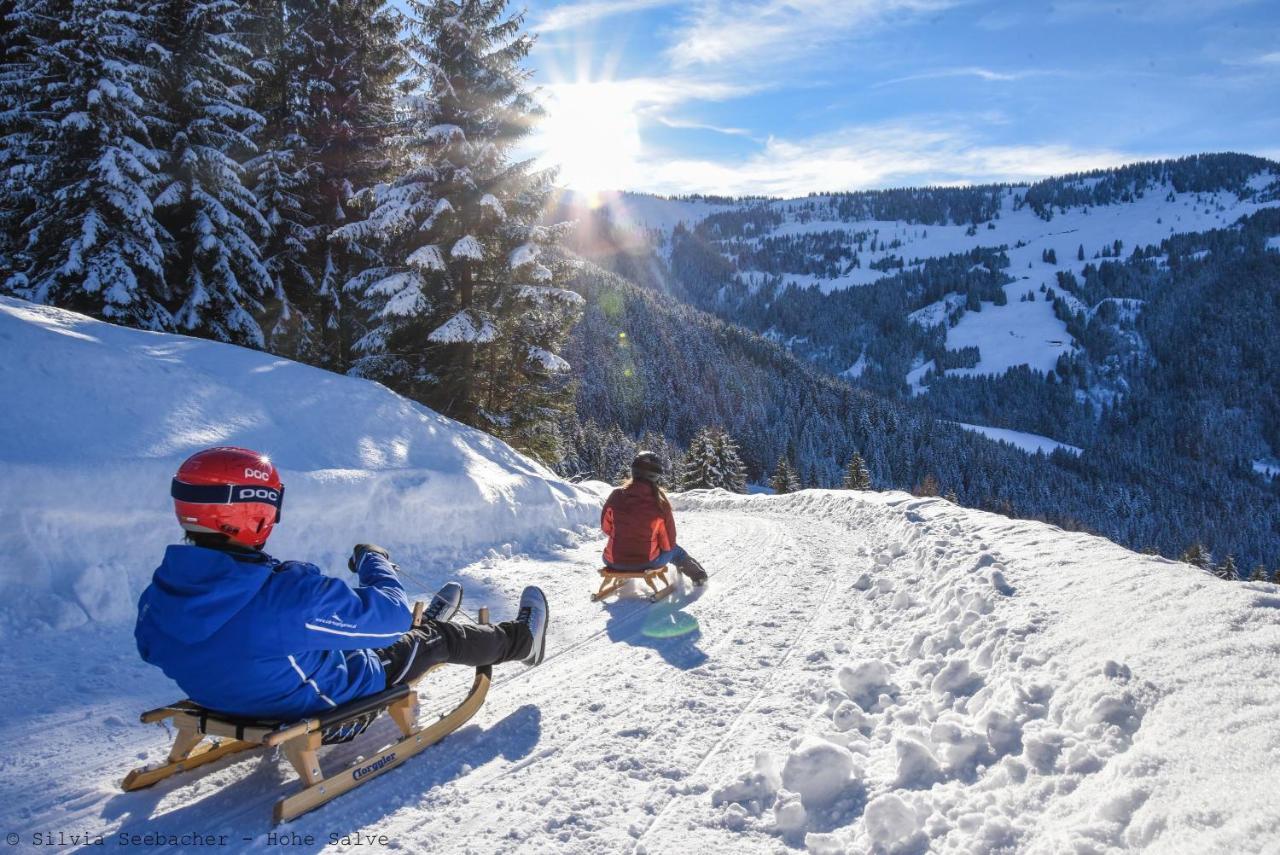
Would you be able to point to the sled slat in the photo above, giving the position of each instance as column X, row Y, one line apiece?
column 613, row 581
column 330, row 788
column 204, row 753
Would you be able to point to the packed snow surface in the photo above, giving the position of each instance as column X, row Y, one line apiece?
column 863, row 673
column 1028, row 442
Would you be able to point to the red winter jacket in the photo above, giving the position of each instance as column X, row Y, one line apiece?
column 639, row 529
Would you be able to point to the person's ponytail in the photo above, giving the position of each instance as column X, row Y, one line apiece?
column 661, row 494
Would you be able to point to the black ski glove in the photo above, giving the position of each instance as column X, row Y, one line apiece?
column 357, row 553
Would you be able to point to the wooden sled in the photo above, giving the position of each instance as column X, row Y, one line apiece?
column 300, row 740
column 613, row 581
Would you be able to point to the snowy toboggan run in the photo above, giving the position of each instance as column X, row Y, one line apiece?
column 864, row 672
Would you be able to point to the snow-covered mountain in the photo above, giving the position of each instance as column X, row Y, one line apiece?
column 852, row 249
column 865, row 672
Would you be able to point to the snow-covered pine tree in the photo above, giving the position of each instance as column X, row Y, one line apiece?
column 928, row 487
column 279, row 174
column 348, row 62
column 697, row 468
column 856, row 476
column 1258, row 574
column 468, row 313
column 84, row 149
column 214, row 264
column 733, row 471
column 20, row 90
column 712, row 462
column 784, row 479
column 1227, row 569
column 1197, row 556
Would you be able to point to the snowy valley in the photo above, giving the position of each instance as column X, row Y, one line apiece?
column 1114, row 326
column 865, row 672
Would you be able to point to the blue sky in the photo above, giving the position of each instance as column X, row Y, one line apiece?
column 783, row 98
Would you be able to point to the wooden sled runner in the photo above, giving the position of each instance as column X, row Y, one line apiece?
column 612, row 581
column 300, row 740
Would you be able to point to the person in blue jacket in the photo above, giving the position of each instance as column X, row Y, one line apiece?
column 246, row 634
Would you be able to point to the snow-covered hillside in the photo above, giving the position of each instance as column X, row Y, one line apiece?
column 97, row 418
column 1019, row 332
column 865, row 672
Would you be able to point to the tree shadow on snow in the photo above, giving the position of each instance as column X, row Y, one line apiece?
column 663, row 627
column 241, row 809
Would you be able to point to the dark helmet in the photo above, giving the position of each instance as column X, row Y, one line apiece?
column 647, row 467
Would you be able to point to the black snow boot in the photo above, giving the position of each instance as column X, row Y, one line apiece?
column 693, row 570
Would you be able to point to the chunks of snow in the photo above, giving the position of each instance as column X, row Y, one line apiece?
column 848, row 716
column 890, row 822
column 917, row 767
column 819, row 770
column 468, row 247
column 789, row 814
column 465, row 327
column 955, row 678
column 754, row 790
column 864, row 681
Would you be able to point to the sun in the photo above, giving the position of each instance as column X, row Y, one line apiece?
column 591, row 134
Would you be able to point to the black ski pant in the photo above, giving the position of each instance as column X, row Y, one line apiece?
column 438, row 642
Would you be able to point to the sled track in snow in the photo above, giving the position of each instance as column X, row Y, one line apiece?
column 737, row 719
column 648, row 714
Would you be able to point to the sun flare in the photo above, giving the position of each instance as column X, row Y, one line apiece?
column 591, row 133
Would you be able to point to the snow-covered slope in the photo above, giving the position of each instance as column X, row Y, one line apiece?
column 1028, row 442
column 98, row 417
column 864, row 673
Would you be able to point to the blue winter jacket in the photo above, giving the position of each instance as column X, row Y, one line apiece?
column 245, row 634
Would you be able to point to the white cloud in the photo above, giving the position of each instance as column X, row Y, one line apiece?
column 644, row 93
column 569, row 15
column 763, row 31
column 885, row 155
column 972, row 71
column 685, row 124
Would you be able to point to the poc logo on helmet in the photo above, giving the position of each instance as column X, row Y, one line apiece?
column 257, row 473
column 248, row 494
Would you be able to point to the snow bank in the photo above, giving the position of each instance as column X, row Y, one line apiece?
column 1034, row 690
column 98, row 417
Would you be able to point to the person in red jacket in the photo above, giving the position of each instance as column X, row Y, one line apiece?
column 641, row 528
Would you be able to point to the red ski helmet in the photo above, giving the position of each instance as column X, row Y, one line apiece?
column 231, row 491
